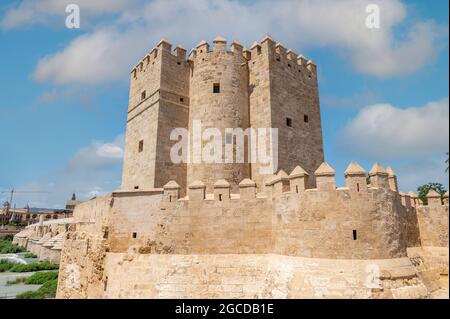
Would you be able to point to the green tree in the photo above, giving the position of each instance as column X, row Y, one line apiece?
column 446, row 162
column 424, row 189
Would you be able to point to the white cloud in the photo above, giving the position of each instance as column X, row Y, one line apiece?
column 107, row 53
column 419, row 171
column 385, row 131
column 32, row 12
column 93, row 170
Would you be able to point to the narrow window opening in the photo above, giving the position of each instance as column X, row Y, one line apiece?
column 136, row 187
column 289, row 65
column 216, row 88
column 106, row 234
column 258, row 50
column 296, row 189
column 220, row 197
column 170, row 198
column 306, row 118
column 357, row 187
column 354, row 235
column 141, row 146
column 181, row 99
column 105, row 284
column 134, row 235
column 143, row 95
column 288, row 122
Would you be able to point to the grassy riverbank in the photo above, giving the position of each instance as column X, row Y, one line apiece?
column 37, row 280
column 7, row 247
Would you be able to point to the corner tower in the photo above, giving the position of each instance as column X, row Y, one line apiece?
column 284, row 95
column 158, row 103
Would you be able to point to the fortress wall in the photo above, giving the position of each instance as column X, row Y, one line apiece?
column 134, row 213
column 433, row 224
column 432, row 263
column 225, row 109
column 94, row 211
column 257, row 276
column 321, row 224
column 211, row 248
column 82, row 262
column 186, row 227
column 411, row 226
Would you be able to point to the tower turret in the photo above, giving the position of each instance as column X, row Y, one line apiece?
column 219, row 100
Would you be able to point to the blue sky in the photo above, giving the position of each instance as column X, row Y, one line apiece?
column 64, row 92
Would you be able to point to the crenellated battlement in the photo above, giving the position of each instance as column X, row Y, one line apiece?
column 295, row 183
column 279, row 54
column 155, row 54
column 202, row 52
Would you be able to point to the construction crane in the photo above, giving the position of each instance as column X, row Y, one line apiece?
column 13, row 191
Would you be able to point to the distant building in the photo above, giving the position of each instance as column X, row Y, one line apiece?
column 28, row 216
column 71, row 203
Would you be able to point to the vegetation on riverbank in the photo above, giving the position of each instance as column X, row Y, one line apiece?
column 38, row 278
column 7, row 247
column 47, row 290
column 37, row 266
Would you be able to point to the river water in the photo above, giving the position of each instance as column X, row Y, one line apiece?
column 10, row 292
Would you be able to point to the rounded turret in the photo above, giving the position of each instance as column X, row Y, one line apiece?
column 219, row 99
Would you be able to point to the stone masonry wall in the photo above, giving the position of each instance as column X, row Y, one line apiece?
column 257, row 276
column 433, row 224
column 320, row 223
column 284, row 243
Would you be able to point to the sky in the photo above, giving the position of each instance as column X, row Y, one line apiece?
column 64, row 92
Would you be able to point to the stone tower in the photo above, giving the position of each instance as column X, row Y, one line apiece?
column 284, row 95
column 264, row 87
column 219, row 99
column 158, row 103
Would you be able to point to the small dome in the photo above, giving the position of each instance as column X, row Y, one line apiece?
column 220, row 39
